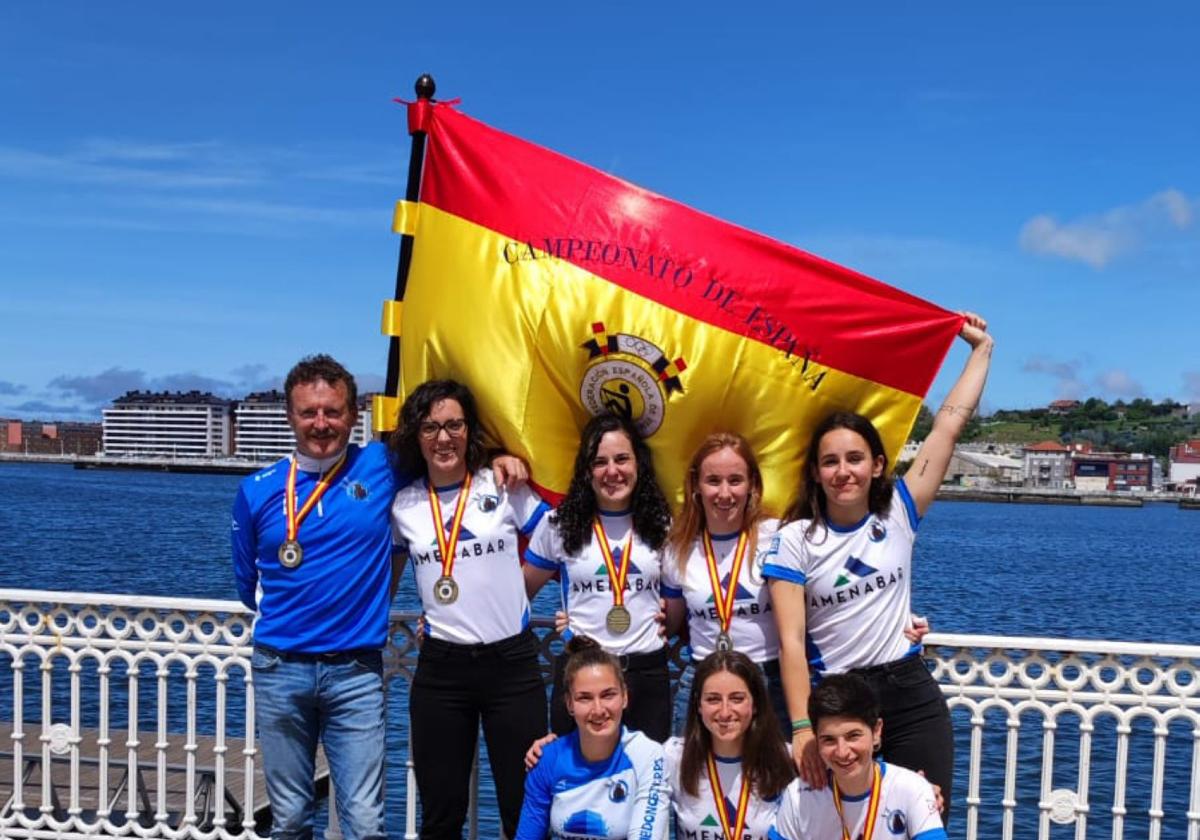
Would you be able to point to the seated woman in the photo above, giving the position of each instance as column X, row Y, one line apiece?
column 602, row 781
column 712, row 569
column 730, row 768
column 604, row 542
column 865, row 798
column 479, row 658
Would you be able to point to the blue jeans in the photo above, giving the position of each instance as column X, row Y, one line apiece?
column 299, row 699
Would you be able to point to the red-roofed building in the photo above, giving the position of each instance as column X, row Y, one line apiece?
column 1185, row 462
column 1063, row 406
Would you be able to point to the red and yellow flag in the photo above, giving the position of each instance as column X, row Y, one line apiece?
column 556, row 291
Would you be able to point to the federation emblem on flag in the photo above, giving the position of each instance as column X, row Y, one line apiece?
column 556, row 291
column 629, row 375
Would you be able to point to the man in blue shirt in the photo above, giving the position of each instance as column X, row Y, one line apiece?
column 312, row 553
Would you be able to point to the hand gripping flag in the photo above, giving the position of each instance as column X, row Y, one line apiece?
column 556, row 291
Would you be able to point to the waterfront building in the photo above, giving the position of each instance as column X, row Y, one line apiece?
column 1106, row 472
column 172, row 424
column 34, row 437
column 974, row 468
column 262, row 432
column 1047, row 464
column 1185, row 462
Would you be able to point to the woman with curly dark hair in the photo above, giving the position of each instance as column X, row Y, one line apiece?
column 479, row 659
column 604, row 541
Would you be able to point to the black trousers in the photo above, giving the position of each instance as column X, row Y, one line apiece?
column 649, row 687
column 455, row 688
column 917, row 732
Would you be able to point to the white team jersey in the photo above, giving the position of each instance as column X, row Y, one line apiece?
column 491, row 603
column 856, row 586
column 753, row 629
column 696, row 817
column 907, row 811
column 586, row 592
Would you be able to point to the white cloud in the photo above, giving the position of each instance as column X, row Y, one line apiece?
column 1068, row 385
column 1120, row 384
column 1099, row 239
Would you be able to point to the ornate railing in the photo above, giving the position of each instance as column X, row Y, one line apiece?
column 133, row 716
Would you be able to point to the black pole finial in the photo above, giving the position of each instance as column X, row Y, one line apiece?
column 425, row 86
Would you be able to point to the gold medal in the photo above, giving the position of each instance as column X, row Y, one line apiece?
column 445, row 590
column 618, row 620
column 290, row 553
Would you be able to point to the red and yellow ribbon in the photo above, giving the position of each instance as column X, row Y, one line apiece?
column 872, row 806
column 724, row 600
column 616, row 576
column 294, row 518
column 734, row 828
column 448, row 543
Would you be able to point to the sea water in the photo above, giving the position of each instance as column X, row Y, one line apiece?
column 1128, row 574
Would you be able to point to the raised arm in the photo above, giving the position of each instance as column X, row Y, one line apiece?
column 933, row 458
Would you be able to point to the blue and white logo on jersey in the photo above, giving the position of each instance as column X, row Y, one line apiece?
column 742, row 593
column 877, row 532
column 618, row 791
column 586, row 823
column 896, row 822
column 487, row 502
column 854, row 568
column 357, row 490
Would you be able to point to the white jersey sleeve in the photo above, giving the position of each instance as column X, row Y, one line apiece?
column 545, row 548
column 652, row 798
column 790, row 560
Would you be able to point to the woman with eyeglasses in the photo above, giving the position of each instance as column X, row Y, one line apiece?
column 479, row 658
column 604, row 542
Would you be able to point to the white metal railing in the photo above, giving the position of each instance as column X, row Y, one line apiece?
column 133, row 716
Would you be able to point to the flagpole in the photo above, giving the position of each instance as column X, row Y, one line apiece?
column 425, row 88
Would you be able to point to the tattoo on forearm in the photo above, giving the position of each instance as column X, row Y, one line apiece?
column 924, row 464
column 967, row 411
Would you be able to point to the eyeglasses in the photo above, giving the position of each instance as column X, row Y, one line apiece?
column 455, row 427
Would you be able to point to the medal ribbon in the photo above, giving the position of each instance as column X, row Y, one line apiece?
column 872, row 806
column 731, row 830
column 724, row 600
column 289, row 497
column 448, row 543
column 615, row 576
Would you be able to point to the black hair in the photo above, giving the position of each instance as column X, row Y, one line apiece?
column 844, row 695
column 651, row 515
column 405, row 444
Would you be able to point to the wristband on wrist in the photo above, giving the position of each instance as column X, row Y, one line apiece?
column 800, row 725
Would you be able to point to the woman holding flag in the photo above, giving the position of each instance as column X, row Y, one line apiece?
column 712, row 572
column 604, row 541
column 479, row 658
column 842, row 576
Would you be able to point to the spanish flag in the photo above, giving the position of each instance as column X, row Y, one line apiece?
column 556, row 291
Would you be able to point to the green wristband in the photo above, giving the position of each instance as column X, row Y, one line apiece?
column 800, row 725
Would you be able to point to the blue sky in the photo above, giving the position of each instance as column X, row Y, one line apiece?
column 195, row 196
